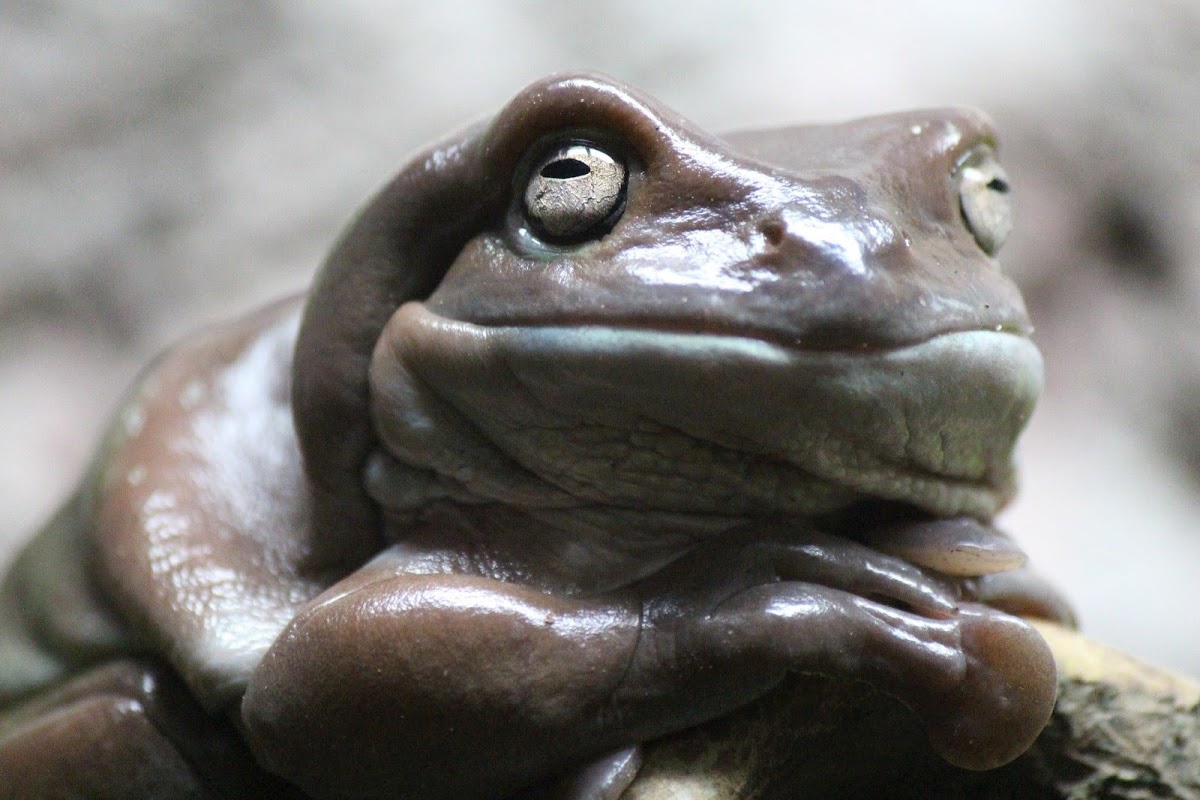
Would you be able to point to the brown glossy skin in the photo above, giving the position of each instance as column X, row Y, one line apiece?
column 485, row 510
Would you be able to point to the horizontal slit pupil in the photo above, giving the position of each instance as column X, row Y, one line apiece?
column 565, row 168
column 998, row 185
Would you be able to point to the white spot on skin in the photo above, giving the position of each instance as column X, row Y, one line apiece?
column 136, row 475
column 133, row 419
column 192, row 395
column 916, row 130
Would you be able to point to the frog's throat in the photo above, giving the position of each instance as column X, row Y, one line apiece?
column 561, row 416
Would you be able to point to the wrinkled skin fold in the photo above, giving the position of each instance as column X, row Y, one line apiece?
column 488, row 509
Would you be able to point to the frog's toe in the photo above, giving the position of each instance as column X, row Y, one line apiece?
column 606, row 778
column 1024, row 593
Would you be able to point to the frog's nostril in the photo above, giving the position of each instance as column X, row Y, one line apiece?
column 773, row 230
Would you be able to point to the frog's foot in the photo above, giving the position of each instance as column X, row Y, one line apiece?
column 125, row 730
column 1023, row 593
column 982, row 681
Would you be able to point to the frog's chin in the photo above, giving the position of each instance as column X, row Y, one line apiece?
column 702, row 423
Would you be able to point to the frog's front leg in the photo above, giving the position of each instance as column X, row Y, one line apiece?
column 439, row 686
column 125, row 730
column 461, row 685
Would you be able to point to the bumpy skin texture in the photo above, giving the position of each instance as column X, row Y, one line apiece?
column 483, row 510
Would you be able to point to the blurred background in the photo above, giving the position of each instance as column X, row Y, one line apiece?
column 167, row 163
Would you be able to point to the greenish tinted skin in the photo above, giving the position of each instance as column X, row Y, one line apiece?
column 483, row 507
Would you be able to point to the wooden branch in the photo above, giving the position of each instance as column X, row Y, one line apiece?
column 1120, row 729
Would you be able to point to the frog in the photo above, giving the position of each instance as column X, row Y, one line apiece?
column 593, row 427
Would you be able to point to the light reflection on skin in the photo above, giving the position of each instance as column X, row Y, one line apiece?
column 830, row 236
column 685, row 265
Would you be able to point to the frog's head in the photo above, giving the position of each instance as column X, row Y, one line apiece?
column 591, row 301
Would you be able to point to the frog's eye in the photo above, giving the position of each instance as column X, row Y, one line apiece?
column 984, row 196
column 576, row 192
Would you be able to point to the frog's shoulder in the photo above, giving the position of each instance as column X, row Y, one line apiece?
column 241, row 366
column 200, row 504
column 198, row 482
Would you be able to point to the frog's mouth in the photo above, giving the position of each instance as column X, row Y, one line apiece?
column 554, row 416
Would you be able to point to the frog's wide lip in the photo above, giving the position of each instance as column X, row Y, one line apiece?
column 931, row 424
column 815, row 343
column 796, row 344
column 766, row 344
